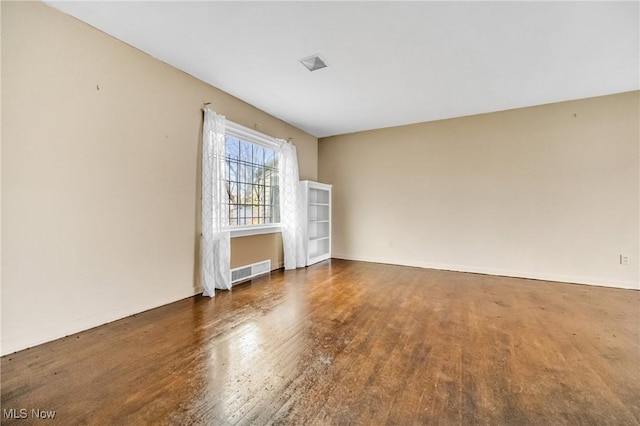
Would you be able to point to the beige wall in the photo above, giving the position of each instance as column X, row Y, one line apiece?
column 548, row 192
column 243, row 250
column 100, row 177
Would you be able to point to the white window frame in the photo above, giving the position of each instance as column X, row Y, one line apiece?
column 252, row 136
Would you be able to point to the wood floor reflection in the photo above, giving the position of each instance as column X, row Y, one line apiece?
column 349, row 343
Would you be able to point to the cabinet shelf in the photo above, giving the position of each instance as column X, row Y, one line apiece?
column 317, row 226
column 317, row 257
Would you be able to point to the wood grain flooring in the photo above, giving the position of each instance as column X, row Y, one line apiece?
column 343, row 343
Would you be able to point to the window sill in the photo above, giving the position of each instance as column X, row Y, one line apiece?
column 245, row 231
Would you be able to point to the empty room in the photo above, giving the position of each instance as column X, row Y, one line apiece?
column 320, row 213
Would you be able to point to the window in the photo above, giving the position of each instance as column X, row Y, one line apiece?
column 252, row 179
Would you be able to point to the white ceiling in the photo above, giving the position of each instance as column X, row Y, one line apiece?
column 390, row 63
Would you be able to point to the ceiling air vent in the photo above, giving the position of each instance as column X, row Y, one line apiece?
column 313, row 63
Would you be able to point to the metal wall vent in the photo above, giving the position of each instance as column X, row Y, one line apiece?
column 313, row 63
column 245, row 273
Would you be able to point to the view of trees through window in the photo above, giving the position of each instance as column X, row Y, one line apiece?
column 252, row 183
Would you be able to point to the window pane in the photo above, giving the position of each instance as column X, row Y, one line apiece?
column 268, row 157
column 232, row 216
column 252, row 183
column 245, row 194
column 258, row 155
column 246, row 152
column 232, row 145
column 232, row 189
column 232, row 170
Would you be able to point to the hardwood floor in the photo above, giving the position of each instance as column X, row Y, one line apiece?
column 349, row 343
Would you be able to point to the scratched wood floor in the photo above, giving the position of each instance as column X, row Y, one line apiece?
column 349, row 343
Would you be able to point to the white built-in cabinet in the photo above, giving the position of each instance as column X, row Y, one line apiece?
column 316, row 211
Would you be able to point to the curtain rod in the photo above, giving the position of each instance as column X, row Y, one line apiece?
column 288, row 140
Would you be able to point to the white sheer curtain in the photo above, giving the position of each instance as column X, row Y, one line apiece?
column 290, row 208
column 216, row 244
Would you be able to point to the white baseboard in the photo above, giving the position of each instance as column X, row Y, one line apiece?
column 23, row 342
column 499, row 272
column 57, row 331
